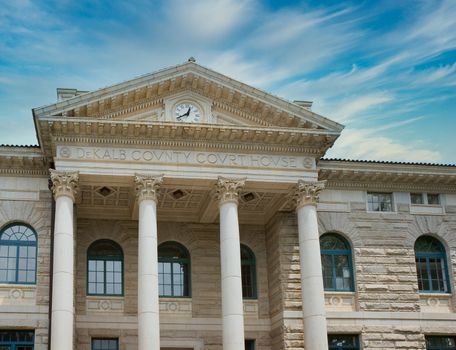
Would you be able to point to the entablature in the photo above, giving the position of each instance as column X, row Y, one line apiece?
column 385, row 176
column 22, row 160
column 179, row 135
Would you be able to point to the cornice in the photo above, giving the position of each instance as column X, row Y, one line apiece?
column 387, row 176
column 276, row 140
column 390, row 187
column 23, row 161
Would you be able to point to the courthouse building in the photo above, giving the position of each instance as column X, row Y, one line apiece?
column 186, row 210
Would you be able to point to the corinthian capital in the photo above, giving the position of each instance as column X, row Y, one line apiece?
column 64, row 183
column 227, row 190
column 307, row 193
column 148, row 186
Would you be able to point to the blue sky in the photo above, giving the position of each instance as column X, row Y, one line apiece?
column 385, row 69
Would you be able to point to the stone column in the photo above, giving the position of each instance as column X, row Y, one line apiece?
column 230, row 261
column 313, row 297
column 64, row 187
column 147, row 188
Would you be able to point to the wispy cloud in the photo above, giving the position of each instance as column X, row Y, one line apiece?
column 362, row 63
column 367, row 144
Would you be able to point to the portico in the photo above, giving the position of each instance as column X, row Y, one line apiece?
column 140, row 171
column 226, row 192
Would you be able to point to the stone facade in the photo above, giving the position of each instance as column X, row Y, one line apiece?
column 122, row 146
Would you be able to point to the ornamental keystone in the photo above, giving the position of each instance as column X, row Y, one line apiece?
column 307, row 193
column 227, row 190
column 148, row 186
column 64, row 183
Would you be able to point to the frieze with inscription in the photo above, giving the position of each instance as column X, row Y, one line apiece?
column 159, row 156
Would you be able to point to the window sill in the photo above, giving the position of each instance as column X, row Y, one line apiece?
column 427, row 209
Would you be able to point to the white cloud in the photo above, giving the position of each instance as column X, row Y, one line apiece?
column 207, row 18
column 351, row 109
column 367, row 144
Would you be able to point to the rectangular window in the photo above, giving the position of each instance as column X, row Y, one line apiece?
column 440, row 343
column 249, row 344
column 105, row 344
column 343, row 342
column 379, row 201
column 16, row 340
column 416, row 198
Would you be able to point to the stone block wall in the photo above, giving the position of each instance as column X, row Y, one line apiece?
column 203, row 323
column 32, row 206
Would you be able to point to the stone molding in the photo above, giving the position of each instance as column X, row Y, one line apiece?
column 64, row 183
column 307, row 193
column 227, row 190
column 148, row 186
column 23, row 160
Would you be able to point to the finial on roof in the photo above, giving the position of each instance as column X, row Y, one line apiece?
column 191, row 59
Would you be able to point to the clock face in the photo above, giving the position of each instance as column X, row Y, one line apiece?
column 187, row 113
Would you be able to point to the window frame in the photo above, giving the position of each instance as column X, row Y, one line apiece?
column 187, row 260
column 13, row 344
column 18, row 244
column 104, row 259
column 249, row 344
column 427, row 256
column 422, row 199
column 251, row 262
column 351, row 347
column 102, row 338
column 427, row 337
column 370, row 203
column 338, row 252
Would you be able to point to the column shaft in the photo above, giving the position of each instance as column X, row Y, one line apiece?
column 148, row 304
column 62, row 309
column 232, row 304
column 230, row 262
column 147, row 188
column 313, row 296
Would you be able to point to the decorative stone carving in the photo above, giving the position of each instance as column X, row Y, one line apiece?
column 148, row 186
column 104, row 304
column 307, row 193
column 227, row 190
column 64, row 183
column 176, row 306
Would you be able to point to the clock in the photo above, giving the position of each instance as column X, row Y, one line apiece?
column 187, row 113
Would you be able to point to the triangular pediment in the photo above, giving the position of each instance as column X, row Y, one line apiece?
column 222, row 100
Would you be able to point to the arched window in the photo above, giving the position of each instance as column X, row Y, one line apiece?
column 248, row 270
column 18, row 254
column 104, row 268
column 336, row 261
column 431, row 265
column 173, row 270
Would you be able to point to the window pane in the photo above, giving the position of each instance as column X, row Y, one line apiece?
column 327, row 266
column 440, row 343
column 105, row 344
column 343, row 342
column 416, row 198
column 380, row 201
column 433, row 199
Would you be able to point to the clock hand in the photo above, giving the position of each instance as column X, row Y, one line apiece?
column 188, row 112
